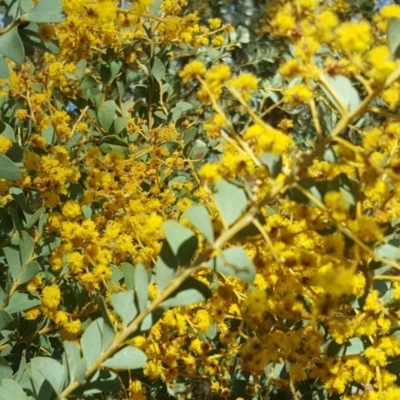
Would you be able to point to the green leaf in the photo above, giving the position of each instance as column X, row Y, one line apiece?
column 234, row 261
column 9, row 389
column 88, row 82
column 29, row 271
column 115, row 67
column 46, row 11
column 14, row 261
column 124, row 305
column 5, row 370
column 11, row 46
column 8, row 132
column 179, row 109
column 8, row 170
column 183, row 241
column 91, row 341
column 106, row 114
column 5, row 319
column 160, row 114
column 119, row 124
column 353, row 346
column 273, row 162
column 107, row 330
column 393, row 37
column 127, row 358
column 32, row 219
column 129, row 275
column 316, row 188
column 4, row 69
column 166, row 266
column 103, row 381
column 151, row 319
column 51, row 370
column 344, row 90
column 21, row 302
column 80, row 371
column 231, row 201
column 141, row 286
column 72, row 355
column 158, row 69
column 7, row 225
column 80, row 69
column 200, row 219
column 189, row 292
column 389, row 250
column 26, row 245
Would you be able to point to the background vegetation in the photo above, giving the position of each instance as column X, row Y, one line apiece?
column 199, row 199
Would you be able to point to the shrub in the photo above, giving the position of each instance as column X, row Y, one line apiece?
column 199, row 199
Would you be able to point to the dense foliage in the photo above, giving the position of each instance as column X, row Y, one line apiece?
column 200, row 199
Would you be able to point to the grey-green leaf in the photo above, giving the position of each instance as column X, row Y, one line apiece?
column 200, row 218
column 179, row 109
column 26, row 245
column 393, row 37
column 127, row 358
column 231, row 201
column 273, row 162
column 11, row 46
column 189, row 292
column 158, row 69
column 21, row 302
column 183, row 241
column 234, row 261
column 124, row 305
column 141, row 286
column 129, row 275
column 5, row 369
column 344, row 90
column 91, row 341
column 106, row 114
column 52, row 371
column 8, row 170
column 5, row 319
column 166, row 266
column 9, row 389
column 46, row 11
column 4, row 69
column 72, row 356
column 29, row 271
column 354, row 346
column 13, row 261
